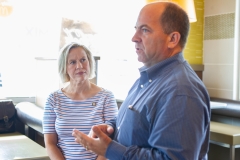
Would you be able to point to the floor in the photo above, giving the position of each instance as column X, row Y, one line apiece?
column 217, row 152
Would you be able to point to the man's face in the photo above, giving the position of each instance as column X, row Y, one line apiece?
column 151, row 42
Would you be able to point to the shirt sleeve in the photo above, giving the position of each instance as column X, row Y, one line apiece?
column 110, row 111
column 49, row 115
column 110, row 108
column 177, row 131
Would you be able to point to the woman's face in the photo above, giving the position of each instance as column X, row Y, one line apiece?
column 78, row 67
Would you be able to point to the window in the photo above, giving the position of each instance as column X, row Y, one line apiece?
column 33, row 30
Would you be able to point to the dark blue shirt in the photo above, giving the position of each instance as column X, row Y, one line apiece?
column 166, row 115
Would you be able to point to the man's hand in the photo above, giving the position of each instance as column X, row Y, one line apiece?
column 107, row 129
column 97, row 142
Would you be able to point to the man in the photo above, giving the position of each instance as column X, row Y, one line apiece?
column 166, row 114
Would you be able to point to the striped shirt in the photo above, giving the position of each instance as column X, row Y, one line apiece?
column 62, row 115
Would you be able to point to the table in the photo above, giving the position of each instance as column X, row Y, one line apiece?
column 226, row 134
column 15, row 146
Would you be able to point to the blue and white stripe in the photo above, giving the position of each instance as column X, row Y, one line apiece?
column 62, row 115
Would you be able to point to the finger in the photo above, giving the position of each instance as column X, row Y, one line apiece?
column 92, row 134
column 83, row 139
column 103, row 140
column 79, row 141
column 78, row 136
column 98, row 132
column 110, row 130
column 76, row 133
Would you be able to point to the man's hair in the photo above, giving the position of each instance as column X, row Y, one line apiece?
column 173, row 19
column 62, row 61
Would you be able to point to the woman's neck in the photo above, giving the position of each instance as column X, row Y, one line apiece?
column 79, row 91
column 79, row 88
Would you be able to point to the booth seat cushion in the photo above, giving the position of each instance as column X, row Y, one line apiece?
column 30, row 114
column 232, row 109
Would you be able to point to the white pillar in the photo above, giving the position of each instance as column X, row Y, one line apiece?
column 236, row 63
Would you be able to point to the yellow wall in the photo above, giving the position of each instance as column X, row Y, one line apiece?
column 193, row 51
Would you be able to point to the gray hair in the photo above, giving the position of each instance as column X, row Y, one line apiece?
column 62, row 61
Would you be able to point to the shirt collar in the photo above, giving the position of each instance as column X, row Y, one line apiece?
column 148, row 74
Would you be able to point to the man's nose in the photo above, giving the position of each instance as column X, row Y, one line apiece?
column 135, row 38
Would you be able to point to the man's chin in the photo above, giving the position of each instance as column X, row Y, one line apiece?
column 140, row 59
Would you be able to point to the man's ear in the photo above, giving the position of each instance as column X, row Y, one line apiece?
column 174, row 39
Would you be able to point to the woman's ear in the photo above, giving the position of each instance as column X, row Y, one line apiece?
column 174, row 39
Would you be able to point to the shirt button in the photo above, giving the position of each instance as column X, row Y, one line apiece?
column 130, row 107
column 141, row 86
column 150, row 80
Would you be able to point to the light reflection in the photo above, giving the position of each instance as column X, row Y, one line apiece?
column 14, row 137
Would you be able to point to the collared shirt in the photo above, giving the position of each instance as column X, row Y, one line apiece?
column 166, row 115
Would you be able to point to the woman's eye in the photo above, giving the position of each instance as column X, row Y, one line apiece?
column 83, row 60
column 72, row 62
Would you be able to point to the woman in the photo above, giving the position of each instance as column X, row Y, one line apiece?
column 79, row 105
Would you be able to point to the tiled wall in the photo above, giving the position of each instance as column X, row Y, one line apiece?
column 219, row 47
column 219, row 26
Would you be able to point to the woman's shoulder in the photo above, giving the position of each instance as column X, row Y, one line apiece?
column 55, row 93
column 107, row 92
column 101, row 90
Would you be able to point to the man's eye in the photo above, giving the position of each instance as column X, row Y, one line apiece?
column 72, row 62
column 144, row 30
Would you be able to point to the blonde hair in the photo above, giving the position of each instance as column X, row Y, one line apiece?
column 62, row 61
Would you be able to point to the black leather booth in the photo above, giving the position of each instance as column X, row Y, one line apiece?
column 30, row 115
column 230, row 114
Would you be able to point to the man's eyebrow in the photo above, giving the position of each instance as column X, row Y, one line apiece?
column 141, row 26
